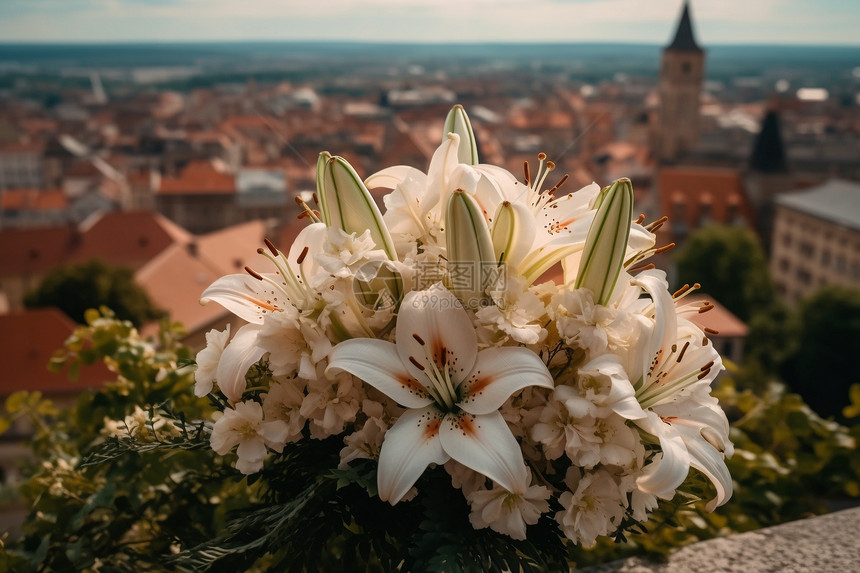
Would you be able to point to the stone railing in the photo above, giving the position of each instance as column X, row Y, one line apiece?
column 826, row 544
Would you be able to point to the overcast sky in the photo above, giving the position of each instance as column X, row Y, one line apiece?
column 651, row 21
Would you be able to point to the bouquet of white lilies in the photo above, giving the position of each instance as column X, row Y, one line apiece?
column 428, row 341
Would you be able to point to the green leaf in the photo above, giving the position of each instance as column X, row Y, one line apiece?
column 102, row 498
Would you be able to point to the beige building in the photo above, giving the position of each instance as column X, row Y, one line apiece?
column 816, row 239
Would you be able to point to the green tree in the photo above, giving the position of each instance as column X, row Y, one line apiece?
column 822, row 368
column 76, row 288
column 731, row 265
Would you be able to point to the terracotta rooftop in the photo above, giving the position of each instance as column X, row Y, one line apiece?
column 175, row 279
column 127, row 238
column 698, row 195
column 719, row 318
column 31, row 251
column 29, row 340
column 199, row 177
column 33, row 200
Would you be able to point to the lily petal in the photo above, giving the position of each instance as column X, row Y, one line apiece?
column 499, row 373
column 433, row 327
column 513, row 233
column 243, row 295
column 390, row 177
column 486, row 445
column 377, row 363
column 669, row 469
column 237, row 358
column 708, row 460
column 409, row 447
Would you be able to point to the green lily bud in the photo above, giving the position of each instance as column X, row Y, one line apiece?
column 458, row 122
column 345, row 202
column 471, row 259
column 606, row 243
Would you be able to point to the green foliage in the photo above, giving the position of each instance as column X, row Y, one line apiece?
column 771, row 341
column 730, row 264
column 76, row 288
column 163, row 482
column 822, row 368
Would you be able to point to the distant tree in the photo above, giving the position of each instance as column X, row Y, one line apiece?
column 824, row 363
column 772, row 337
column 76, row 288
column 731, row 265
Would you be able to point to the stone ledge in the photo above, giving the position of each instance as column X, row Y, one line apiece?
column 828, row 543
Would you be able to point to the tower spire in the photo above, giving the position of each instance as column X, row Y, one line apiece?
column 684, row 40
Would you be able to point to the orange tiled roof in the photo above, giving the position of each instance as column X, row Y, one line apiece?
column 33, row 200
column 684, row 190
column 31, row 251
column 127, row 238
column 198, row 177
column 719, row 318
column 30, row 338
column 175, row 279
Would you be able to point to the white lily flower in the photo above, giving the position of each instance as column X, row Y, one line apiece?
column 518, row 314
column 594, row 506
column 452, row 392
column 673, row 370
column 243, row 426
column 282, row 402
column 208, row 359
column 508, row 513
column 253, row 295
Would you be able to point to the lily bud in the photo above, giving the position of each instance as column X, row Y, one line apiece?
column 345, row 202
column 458, row 122
column 513, row 233
column 606, row 242
column 471, row 259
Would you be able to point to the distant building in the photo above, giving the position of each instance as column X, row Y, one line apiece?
column 816, row 239
column 200, row 198
column 21, row 165
column 693, row 197
column 768, row 173
column 682, row 70
column 205, row 196
column 32, row 208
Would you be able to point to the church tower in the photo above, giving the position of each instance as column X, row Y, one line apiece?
column 682, row 70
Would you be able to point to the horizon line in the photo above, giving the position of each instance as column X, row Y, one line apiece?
column 90, row 42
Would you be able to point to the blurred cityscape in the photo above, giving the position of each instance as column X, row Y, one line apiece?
column 175, row 160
